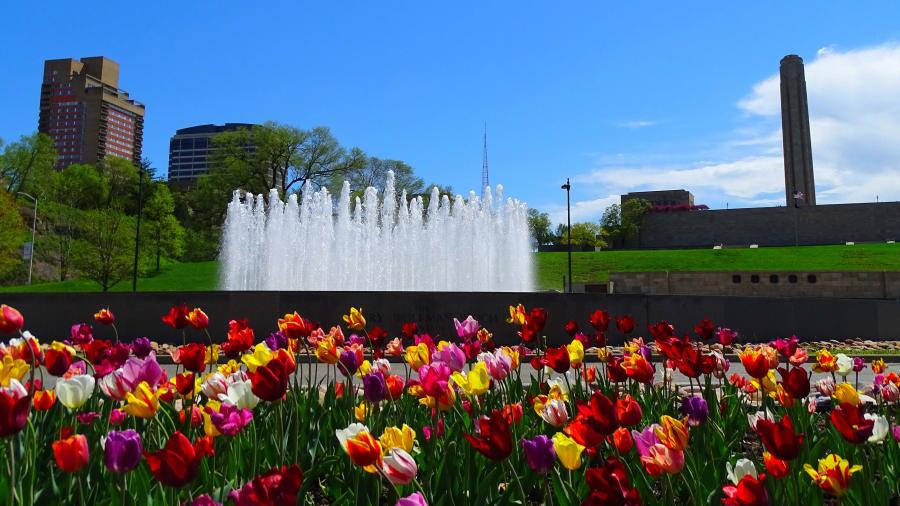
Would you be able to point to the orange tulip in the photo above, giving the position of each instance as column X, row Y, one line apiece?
column 71, row 453
column 674, row 433
column 44, row 399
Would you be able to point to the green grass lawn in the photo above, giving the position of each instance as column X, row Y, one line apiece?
column 586, row 267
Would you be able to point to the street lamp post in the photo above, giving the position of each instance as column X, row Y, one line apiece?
column 568, row 188
column 33, row 226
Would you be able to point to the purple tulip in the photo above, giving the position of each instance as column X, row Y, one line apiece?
column 205, row 500
column 357, row 339
column 374, row 387
column 87, row 417
column 858, row 364
column 81, row 333
column 117, row 417
column 122, row 451
column 696, row 409
column 277, row 341
column 229, row 420
column 645, row 439
column 141, row 347
column 137, row 370
column 414, row 499
column 349, row 362
column 896, row 433
column 466, row 328
column 452, row 355
column 539, row 453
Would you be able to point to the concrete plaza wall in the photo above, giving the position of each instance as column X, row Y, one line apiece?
column 772, row 226
column 49, row 316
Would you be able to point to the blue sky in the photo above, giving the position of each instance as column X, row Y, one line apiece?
column 616, row 97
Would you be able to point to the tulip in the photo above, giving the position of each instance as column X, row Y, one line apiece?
column 844, row 365
column 418, row 355
column 749, row 491
column 117, row 417
column 75, row 391
column 475, row 382
column 143, row 402
column 696, row 409
column 850, row 422
column 450, row 354
column 394, row 386
column 825, row 362
column 756, row 361
column 414, row 499
column 374, row 387
column 623, row 440
column 270, row 381
column 467, row 328
column 558, row 359
column 11, row 319
column 576, row 353
column 229, row 420
column 87, row 417
column 12, row 369
column 14, row 406
column 44, row 399
column 105, row 316
column 636, row 367
column 494, row 439
column 177, row 463
column 58, row 358
column 198, row 319
column 539, row 453
column 555, row 412
column 596, row 419
column 394, row 437
column 787, row 347
column 349, row 362
column 206, row 500
column 399, row 467
column 833, row 474
column 363, row 449
column 71, row 453
column 825, row 386
column 275, row 487
column 775, row 466
column 141, row 347
column 625, row 324
column 741, row 468
column 295, row 326
column 895, row 432
column 177, row 318
column 795, row 382
column 609, row 484
column 599, row 319
column 568, row 450
column 673, row 433
column 662, row 459
column 726, row 336
column 355, row 320
column 846, row 394
column 192, row 356
column 890, row 393
column 878, row 366
column 779, row 438
column 122, row 451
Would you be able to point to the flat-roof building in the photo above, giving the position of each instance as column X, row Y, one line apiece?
column 662, row 198
column 190, row 150
column 86, row 114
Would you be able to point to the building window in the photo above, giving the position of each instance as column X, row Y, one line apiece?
column 736, row 279
column 754, row 278
column 811, row 279
column 792, row 278
column 773, row 278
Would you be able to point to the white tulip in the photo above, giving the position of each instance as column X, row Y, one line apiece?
column 240, row 394
column 555, row 413
column 844, row 365
column 880, row 429
column 741, row 468
column 75, row 391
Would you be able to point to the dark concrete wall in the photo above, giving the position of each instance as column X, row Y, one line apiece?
column 772, row 226
column 49, row 316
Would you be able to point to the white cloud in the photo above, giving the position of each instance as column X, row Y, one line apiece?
column 582, row 210
column 855, row 127
column 638, row 123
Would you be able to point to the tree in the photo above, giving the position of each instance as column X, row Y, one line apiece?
column 611, row 225
column 633, row 212
column 12, row 235
column 585, row 234
column 539, row 224
column 121, row 177
column 105, row 253
column 26, row 165
column 166, row 232
column 373, row 172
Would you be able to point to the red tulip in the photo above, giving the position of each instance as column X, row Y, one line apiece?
column 775, row 466
column 409, row 329
column 177, row 317
column 672, row 347
column 11, row 319
column 849, row 421
column 14, row 407
column 377, row 336
column 184, row 384
column 750, row 491
column 177, row 463
column 57, row 362
column 599, row 320
column 596, row 419
column 628, row 411
column 622, row 440
column 571, row 328
column 615, row 371
column 277, row 486
column 705, row 329
column 558, row 359
column 240, row 338
column 105, row 316
column 638, row 368
column 295, row 326
column 691, row 362
column 494, row 439
column 779, row 438
column 192, row 356
column 625, row 324
column 795, row 381
column 198, row 319
column 71, row 453
column 610, row 485
column 269, row 382
column 661, row 330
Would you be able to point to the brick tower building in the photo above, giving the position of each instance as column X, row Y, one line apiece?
column 799, row 183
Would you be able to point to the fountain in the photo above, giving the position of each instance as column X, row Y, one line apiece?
column 381, row 244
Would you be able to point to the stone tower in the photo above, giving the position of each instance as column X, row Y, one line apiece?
column 799, row 184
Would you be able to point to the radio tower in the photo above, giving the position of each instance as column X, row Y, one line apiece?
column 485, row 181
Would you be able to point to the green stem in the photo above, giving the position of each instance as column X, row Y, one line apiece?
column 12, row 470
column 518, row 482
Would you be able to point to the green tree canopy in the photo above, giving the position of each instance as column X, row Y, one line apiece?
column 27, row 165
column 13, row 234
column 373, row 172
column 539, row 223
column 585, row 233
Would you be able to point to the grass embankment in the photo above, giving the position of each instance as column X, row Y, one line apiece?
column 596, row 266
column 587, row 267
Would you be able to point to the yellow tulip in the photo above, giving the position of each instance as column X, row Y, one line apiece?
column 208, row 428
column 230, row 368
column 512, row 354
column 260, row 356
column 603, row 354
column 11, row 369
column 394, row 437
column 845, row 393
column 143, row 402
column 568, row 451
column 674, row 433
column 212, row 354
column 326, row 351
column 833, row 475
column 360, row 412
column 355, row 319
column 475, row 382
column 516, row 315
column 576, row 352
column 364, row 368
column 58, row 346
column 417, row 355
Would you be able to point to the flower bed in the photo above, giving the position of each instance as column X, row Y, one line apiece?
column 243, row 421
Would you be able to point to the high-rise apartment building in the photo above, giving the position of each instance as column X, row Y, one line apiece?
column 190, row 150
column 86, row 114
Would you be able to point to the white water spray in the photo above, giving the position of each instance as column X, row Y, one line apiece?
column 382, row 244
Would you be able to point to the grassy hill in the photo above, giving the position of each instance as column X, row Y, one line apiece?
column 589, row 266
